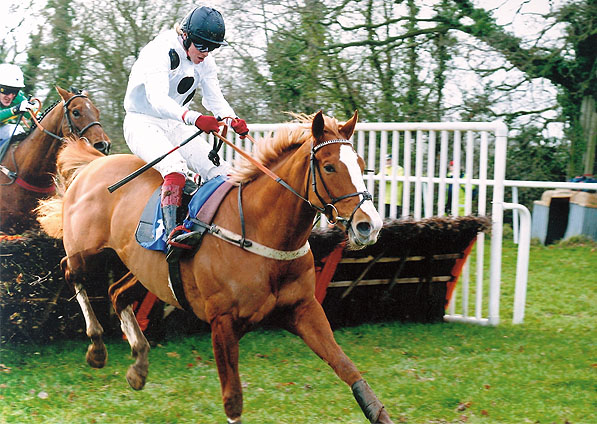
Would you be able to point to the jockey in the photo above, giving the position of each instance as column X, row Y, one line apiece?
column 162, row 82
column 12, row 101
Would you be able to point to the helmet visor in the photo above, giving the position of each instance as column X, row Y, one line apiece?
column 5, row 89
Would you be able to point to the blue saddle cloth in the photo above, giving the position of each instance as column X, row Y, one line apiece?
column 151, row 233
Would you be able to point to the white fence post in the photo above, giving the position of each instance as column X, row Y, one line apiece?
column 522, row 261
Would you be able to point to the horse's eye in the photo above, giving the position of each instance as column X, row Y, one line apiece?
column 329, row 168
column 76, row 113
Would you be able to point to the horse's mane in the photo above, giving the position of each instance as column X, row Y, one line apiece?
column 72, row 158
column 268, row 149
column 75, row 154
column 43, row 115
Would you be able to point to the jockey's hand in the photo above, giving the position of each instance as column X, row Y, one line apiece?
column 240, row 127
column 203, row 122
column 24, row 106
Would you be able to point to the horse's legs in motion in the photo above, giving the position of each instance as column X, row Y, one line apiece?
column 97, row 355
column 225, row 346
column 137, row 373
column 310, row 323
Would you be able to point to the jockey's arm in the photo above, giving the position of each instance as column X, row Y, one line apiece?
column 213, row 99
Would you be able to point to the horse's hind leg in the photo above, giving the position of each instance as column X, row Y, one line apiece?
column 310, row 323
column 97, row 355
column 137, row 373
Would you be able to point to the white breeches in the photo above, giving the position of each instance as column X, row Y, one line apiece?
column 7, row 130
column 149, row 138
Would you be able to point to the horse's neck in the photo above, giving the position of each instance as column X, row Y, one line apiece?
column 272, row 203
column 36, row 155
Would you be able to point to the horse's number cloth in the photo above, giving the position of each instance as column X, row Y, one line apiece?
column 151, row 233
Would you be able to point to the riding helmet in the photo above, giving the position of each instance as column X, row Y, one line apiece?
column 205, row 26
column 11, row 77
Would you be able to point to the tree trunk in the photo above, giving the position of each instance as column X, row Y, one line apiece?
column 588, row 122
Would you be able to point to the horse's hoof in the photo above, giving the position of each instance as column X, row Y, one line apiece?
column 384, row 418
column 97, row 355
column 136, row 380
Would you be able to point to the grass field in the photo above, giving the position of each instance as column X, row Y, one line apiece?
column 543, row 371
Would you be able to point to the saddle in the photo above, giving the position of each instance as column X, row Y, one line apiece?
column 202, row 204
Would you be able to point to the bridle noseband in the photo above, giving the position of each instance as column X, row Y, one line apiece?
column 329, row 210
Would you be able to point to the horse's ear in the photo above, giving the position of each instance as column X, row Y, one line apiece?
column 317, row 126
column 348, row 128
column 63, row 93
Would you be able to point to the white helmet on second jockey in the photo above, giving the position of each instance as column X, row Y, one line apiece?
column 11, row 76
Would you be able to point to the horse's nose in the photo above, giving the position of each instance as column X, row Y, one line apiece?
column 102, row 146
column 364, row 229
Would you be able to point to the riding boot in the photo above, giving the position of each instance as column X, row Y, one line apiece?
column 170, row 221
column 171, row 200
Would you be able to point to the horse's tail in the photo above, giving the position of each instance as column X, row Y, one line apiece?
column 72, row 159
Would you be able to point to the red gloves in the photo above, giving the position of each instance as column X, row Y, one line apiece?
column 207, row 123
column 240, row 126
column 203, row 122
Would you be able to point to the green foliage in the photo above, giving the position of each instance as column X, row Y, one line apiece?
column 533, row 157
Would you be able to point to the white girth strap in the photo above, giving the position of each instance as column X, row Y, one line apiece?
column 256, row 248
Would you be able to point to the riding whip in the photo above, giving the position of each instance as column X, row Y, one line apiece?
column 144, row 168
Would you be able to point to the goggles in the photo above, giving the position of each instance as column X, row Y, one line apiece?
column 205, row 48
column 9, row 90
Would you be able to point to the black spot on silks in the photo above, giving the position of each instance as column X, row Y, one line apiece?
column 189, row 97
column 185, row 84
column 174, row 59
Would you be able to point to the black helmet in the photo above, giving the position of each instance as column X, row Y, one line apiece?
column 205, row 26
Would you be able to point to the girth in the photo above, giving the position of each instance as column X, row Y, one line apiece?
column 193, row 240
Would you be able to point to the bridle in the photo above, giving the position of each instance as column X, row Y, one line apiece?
column 329, row 210
column 72, row 128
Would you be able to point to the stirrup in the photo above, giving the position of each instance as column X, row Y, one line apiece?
column 176, row 238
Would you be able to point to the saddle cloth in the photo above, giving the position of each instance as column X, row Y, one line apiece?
column 151, row 233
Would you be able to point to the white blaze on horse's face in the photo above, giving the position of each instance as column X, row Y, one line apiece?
column 365, row 226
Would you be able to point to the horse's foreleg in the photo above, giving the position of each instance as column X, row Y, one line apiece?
column 137, row 373
column 310, row 323
column 225, row 347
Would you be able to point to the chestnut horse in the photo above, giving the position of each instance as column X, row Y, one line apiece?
column 231, row 288
column 29, row 166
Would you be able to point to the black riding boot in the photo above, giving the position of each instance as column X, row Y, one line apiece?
column 169, row 216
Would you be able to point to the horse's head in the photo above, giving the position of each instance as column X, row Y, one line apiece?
column 81, row 119
column 337, row 180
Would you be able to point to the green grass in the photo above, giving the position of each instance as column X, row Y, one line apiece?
column 543, row 371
